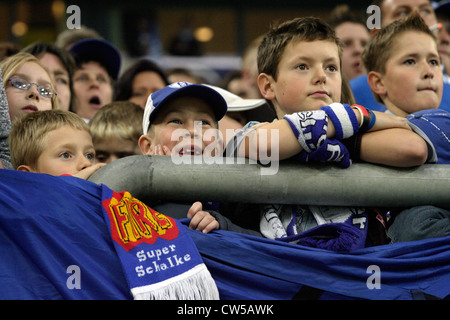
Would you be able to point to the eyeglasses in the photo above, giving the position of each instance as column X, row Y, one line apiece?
column 44, row 90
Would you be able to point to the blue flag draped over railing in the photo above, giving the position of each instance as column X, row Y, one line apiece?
column 56, row 244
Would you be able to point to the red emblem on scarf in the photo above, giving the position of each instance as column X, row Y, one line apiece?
column 133, row 222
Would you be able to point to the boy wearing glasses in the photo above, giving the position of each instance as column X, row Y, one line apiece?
column 28, row 85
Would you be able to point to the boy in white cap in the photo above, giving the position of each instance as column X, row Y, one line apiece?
column 178, row 120
column 180, row 110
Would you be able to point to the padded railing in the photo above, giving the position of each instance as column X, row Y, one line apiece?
column 150, row 178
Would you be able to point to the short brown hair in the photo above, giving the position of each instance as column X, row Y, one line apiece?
column 275, row 41
column 271, row 49
column 379, row 49
column 28, row 133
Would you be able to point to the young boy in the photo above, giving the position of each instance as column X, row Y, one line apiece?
column 405, row 74
column 300, row 72
column 55, row 142
column 116, row 129
column 175, row 111
column 181, row 120
column 299, row 63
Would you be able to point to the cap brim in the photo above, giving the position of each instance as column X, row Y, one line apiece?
column 163, row 96
column 236, row 103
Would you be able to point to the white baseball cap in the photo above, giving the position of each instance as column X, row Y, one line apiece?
column 236, row 103
column 158, row 98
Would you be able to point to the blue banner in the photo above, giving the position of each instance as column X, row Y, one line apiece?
column 55, row 244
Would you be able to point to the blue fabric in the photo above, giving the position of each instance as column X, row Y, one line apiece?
column 309, row 127
column 435, row 124
column 48, row 224
column 150, row 246
column 337, row 113
column 332, row 150
column 404, row 267
column 445, row 102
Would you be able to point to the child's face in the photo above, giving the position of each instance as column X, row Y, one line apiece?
column 110, row 149
column 92, row 89
column 413, row 77
column 26, row 101
column 182, row 128
column 308, row 77
column 67, row 151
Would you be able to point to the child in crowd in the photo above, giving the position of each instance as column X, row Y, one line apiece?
column 176, row 122
column 406, row 76
column 28, row 85
column 303, row 75
column 299, row 63
column 392, row 10
column 116, row 129
column 55, row 142
column 181, row 106
column 60, row 65
column 97, row 67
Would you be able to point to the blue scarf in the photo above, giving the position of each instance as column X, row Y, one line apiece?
column 159, row 259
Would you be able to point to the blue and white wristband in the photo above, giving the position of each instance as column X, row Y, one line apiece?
column 343, row 118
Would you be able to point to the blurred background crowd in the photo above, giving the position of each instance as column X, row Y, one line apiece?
column 209, row 37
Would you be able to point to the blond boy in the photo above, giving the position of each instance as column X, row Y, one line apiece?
column 54, row 142
column 176, row 121
column 116, row 129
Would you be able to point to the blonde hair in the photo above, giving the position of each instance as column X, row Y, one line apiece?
column 28, row 133
column 11, row 64
column 119, row 119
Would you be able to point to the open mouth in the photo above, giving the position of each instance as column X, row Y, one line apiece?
column 95, row 102
column 190, row 151
column 357, row 66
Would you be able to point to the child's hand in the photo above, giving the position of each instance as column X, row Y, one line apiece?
column 160, row 150
column 201, row 220
column 86, row 173
column 387, row 121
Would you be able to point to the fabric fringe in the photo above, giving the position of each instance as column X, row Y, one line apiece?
column 194, row 284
